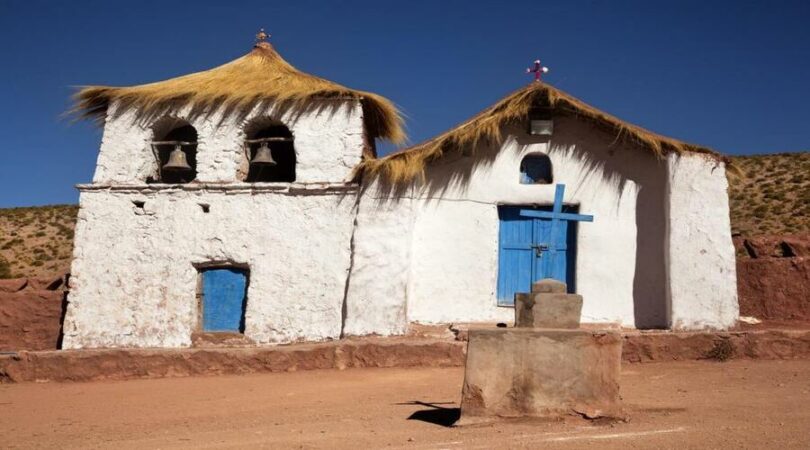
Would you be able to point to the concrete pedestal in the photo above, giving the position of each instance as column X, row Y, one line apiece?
column 547, row 310
column 548, row 306
column 525, row 372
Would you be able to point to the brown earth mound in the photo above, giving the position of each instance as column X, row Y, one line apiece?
column 31, row 311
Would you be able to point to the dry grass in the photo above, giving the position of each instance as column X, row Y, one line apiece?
column 772, row 196
column 261, row 75
column 36, row 241
column 408, row 164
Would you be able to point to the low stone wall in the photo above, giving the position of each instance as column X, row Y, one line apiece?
column 769, row 344
column 31, row 311
column 124, row 364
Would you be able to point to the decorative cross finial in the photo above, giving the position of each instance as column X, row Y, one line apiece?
column 261, row 36
column 537, row 70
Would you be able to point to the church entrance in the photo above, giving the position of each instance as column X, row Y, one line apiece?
column 224, row 297
column 537, row 242
column 529, row 251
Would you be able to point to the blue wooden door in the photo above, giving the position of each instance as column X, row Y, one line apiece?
column 526, row 254
column 223, row 300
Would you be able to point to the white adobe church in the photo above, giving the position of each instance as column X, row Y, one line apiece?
column 249, row 200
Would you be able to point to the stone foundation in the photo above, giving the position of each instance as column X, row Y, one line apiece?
column 524, row 372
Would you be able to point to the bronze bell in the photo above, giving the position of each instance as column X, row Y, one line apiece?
column 177, row 161
column 263, row 157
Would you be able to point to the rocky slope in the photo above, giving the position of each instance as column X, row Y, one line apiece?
column 36, row 241
column 772, row 195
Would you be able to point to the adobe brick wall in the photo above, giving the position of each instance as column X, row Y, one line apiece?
column 773, row 276
column 31, row 312
column 774, row 288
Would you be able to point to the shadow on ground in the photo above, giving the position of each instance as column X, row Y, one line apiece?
column 438, row 415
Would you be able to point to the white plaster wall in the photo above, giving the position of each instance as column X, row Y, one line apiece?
column 701, row 261
column 376, row 300
column 328, row 142
column 454, row 243
column 134, row 281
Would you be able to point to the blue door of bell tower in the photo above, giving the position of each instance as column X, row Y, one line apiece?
column 529, row 252
column 223, row 300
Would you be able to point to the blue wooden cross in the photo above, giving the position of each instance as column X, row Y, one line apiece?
column 556, row 215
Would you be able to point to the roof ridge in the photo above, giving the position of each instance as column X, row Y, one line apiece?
column 406, row 164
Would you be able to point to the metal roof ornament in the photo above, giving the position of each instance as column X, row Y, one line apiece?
column 261, row 36
column 537, row 70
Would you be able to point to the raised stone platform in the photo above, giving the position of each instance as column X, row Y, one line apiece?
column 525, row 372
column 125, row 364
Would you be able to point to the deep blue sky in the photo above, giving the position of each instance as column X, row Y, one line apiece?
column 731, row 75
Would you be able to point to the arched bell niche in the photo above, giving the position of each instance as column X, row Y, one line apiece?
column 269, row 151
column 174, row 144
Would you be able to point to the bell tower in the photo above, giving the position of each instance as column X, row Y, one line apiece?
column 230, row 189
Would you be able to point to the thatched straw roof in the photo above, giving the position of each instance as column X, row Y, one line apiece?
column 261, row 75
column 407, row 164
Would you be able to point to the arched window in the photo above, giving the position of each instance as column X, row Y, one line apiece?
column 175, row 146
column 270, row 152
column 536, row 169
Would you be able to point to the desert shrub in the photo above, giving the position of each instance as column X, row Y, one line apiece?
column 779, row 196
column 11, row 243
column 760, row 211
column 5, row 268
column 723, row 350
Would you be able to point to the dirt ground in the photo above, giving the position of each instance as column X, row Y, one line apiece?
column 737, row 404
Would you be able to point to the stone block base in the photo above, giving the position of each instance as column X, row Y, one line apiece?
column 547, row 310
column 524, row 372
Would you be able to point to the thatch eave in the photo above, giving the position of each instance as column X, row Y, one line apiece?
column 408, row 164
column 260, row 76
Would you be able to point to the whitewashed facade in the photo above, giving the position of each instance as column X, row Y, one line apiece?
column 328, row 257
column 637, row 264
column 134, row 278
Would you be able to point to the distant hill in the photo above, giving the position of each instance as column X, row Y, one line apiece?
column 36, row 241
column 772, row 196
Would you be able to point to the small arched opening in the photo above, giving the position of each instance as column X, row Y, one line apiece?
column 175, row 147
column 536, row 169
column 270, row 152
